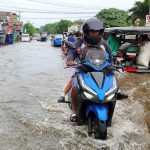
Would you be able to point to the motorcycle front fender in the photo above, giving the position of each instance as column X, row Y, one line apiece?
column 100, row 110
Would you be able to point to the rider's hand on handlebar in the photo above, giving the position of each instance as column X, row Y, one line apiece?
column 70, row 63
column 79, row 49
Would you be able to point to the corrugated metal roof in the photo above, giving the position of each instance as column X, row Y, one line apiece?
column 129, row 30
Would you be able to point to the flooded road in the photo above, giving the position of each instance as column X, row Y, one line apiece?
column 32, row 76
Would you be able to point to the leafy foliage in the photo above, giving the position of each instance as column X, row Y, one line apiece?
column 58, row 27
column 49, row 28
column 79, row 21
column 140, row 10
column 113, row 17
column 30, row 29
column 62, row 26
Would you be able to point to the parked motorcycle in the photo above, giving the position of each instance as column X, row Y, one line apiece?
column 97, row 89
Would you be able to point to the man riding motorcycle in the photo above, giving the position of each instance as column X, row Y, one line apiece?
column 92, row 37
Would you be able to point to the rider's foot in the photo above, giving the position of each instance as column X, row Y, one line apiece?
column 61, row 99
column 121, row 96
column 73, row 118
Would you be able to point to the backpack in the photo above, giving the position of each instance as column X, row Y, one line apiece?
column 71, row 38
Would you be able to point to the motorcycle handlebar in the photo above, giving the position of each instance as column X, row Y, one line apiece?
column 112, row 67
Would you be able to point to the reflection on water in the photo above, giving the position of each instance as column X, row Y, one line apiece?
column 32, row 76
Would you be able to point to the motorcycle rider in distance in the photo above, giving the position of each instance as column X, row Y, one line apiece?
column 69, row 84
column 92, row 37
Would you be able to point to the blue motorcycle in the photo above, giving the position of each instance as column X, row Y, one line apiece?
column 97, row 89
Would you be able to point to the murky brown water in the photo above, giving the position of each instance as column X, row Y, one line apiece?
column 140, row 84
column 32, row 76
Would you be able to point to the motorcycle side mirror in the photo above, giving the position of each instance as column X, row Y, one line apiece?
column 70, row 45
column 124, row 47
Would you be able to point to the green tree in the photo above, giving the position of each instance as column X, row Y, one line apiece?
column 139, row 11
column 49, row 28
column 63, row 25
column 38, row 30
column 59, row 27
column 113, row 17
column 30, row 29
column 79, row 21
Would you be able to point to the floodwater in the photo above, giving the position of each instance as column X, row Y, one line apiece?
column 32, row 77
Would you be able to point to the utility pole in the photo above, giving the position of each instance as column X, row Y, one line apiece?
column 148, row 16
column 149, row 7
column 19, row 16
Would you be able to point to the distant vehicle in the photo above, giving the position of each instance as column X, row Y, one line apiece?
column 25, row 37
column 57, row 41
column 38, row 37
column 44, row 37
column 51, row 37
column 34, row 38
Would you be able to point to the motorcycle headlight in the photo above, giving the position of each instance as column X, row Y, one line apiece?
column 87, row 88
column 114, row 88
column 110, row 97
column 87, row 95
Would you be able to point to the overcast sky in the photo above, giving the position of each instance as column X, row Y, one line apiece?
column 41, row 12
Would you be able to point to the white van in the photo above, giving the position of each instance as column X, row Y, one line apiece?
column 38, row 37
column 25, row 37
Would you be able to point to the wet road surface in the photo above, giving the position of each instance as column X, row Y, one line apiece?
column 32, row 77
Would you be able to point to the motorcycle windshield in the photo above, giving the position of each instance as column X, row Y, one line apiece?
column 97, row 66
column 95, row 56
column 98, row 78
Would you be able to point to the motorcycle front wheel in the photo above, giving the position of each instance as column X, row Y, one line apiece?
column 98, row 127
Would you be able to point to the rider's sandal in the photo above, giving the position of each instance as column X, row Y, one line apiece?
column 73, row 118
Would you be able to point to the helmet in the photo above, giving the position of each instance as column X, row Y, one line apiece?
column 92, row 24
column 78, row 34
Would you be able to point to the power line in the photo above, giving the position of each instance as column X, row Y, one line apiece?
column 60, row 12
column 28, row 8
column 44, row 11
column 65, row 5
column 60, row 18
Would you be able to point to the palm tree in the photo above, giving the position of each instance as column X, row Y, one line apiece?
column 140, row 10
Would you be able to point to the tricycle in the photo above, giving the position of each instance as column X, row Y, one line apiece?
column 131, row 46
